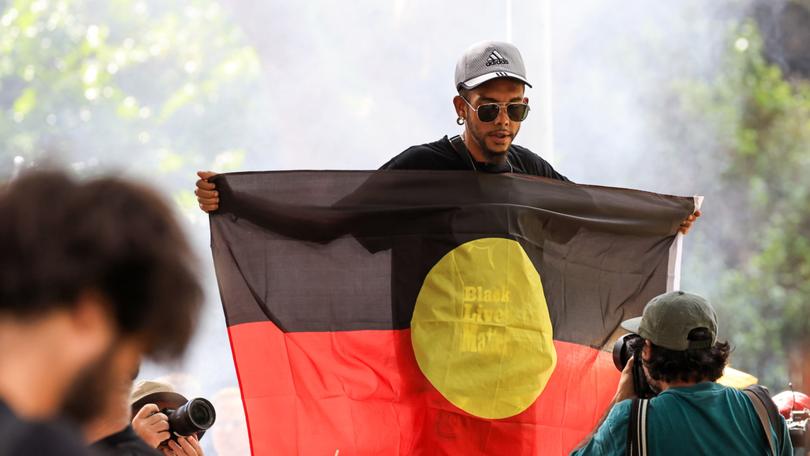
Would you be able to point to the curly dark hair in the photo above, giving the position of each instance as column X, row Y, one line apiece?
column 60, row 238
column 694, row 365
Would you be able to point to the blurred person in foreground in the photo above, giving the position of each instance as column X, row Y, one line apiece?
column 111, row 433
column 92, row 276
column 491, row 104
column 691, row 413
column 146, row 404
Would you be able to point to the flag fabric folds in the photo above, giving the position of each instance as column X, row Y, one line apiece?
column 431, row 312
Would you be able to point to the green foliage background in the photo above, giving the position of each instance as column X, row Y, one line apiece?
column 138, row 85
column 749, row 151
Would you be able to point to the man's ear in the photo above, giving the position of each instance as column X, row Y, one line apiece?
column 461, row 106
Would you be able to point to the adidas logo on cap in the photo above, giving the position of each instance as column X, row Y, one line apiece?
column 495, row 58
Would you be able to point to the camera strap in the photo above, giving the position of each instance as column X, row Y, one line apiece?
column 637, row 428
column 768, row 415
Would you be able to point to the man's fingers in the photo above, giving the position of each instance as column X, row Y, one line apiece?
column 686, row 224
column 207, row 196
column 206, row 174
column 208, row 202
column 192, row 439
column 187, row 446
column 205, row 185
column 146, row 411
column 697, row 213
column 629, row 366
column 180, row 449
column 201, row 193
column 157, row 418
column 162, row 427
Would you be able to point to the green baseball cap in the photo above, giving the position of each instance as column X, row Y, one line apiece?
column 669, row 318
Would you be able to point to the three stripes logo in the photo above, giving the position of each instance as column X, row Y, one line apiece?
column 495, row 58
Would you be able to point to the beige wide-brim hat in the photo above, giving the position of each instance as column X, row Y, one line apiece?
column 148, row 391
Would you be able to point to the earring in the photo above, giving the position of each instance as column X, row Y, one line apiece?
column 460, row 121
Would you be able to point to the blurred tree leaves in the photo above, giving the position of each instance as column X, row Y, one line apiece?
column 753, row 126
column 144, row 85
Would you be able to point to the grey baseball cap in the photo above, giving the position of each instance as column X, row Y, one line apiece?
column 668, row 319
column 488, row 60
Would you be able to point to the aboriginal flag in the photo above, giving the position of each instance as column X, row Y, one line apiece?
column 431, row 312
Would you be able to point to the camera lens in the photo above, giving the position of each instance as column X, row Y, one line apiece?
column 200, row 414
column 194, row 416
column 623, row 350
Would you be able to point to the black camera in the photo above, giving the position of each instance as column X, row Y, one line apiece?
column 195, row 416
column 797, row 427
column 626, row 347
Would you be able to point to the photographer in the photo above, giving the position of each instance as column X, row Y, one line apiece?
column 691, row 413
column 148, row 401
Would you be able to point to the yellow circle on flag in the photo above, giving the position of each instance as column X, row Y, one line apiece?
column 481, row 331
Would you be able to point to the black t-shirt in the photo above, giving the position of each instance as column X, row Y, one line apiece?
column 441, row 155
column 21, row 438
column 125, row 443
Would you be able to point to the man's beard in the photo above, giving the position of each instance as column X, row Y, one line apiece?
column 490, row 155
column 87, row 396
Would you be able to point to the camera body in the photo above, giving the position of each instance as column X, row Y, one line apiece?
column 797, row 427
column 630, row 346
column 193, row 417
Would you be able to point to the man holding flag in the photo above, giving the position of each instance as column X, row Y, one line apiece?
column 434, row 312
column 491, row 104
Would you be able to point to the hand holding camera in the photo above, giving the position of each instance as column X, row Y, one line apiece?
column 168, row 421
column 174, row 431
column 627, row 358
column 151, row 425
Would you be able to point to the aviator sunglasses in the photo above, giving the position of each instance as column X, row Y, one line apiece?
column 488, row 112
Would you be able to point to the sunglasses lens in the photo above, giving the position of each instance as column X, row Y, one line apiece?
column 517, row 111
column 488, row 112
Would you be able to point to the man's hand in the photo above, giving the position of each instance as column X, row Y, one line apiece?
column 185, row 446
column 206, row 192
column 625, row 389
column 151, row 425
column 687, row 223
